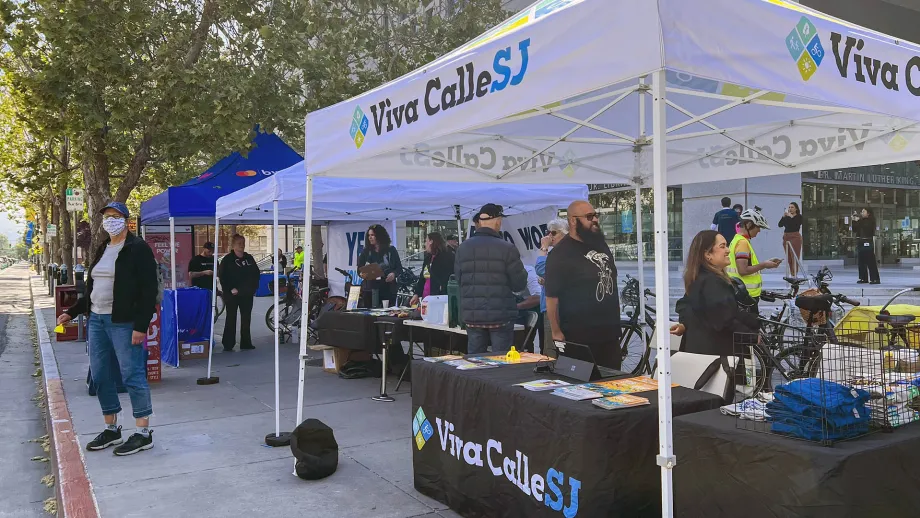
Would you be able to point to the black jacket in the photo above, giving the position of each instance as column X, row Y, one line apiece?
column 389, row 262
column 440, row 269
column 864, row 228
column 241, row 273
column 712, row 316
column 489, row 271
column 136, row 284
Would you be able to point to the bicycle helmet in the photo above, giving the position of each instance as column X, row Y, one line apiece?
column 754, row 215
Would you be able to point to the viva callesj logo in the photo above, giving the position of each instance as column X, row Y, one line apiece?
column 549, row 489
column 442, row 95
column 854, row 59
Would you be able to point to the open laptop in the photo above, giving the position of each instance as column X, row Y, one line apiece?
column 577, row 361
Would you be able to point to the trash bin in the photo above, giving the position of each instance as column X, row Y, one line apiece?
column 453, row 303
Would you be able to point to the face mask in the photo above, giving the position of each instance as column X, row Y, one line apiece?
column 113, row 226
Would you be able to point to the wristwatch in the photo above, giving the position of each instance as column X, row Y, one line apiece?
column 544, row 250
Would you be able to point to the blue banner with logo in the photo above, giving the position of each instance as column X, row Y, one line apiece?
column 191, row 323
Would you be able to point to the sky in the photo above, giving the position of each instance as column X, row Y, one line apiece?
column 11, row 228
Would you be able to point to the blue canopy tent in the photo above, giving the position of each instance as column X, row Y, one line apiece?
column 193, row 202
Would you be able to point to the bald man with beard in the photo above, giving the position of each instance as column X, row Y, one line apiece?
column 582, row 303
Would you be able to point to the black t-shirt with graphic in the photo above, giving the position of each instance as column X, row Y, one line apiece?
column 584, row 279
column 200, row 263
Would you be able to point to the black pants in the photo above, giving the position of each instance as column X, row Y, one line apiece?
column 865, row 255
column 232, row 302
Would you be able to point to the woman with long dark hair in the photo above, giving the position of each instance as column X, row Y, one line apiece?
column 864, row 228
column 791, row 223
column 436, row 270
column 709, row 313
column 378, row 248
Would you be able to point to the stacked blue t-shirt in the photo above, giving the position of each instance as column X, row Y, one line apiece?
column 819, row 410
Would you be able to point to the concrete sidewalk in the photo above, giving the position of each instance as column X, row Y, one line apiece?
column 209, row 457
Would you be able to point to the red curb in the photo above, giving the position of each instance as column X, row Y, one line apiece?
column 73, row 488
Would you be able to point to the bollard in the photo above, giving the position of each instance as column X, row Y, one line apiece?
column 388, row 329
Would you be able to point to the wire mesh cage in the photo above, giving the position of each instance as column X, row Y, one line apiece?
column 826, row 385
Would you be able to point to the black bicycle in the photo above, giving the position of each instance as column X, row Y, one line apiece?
column 635, row 335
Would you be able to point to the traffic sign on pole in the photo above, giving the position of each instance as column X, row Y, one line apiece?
column 74, row 199
column 52, row 230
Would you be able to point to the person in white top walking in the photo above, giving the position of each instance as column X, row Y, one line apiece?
column 121, row 297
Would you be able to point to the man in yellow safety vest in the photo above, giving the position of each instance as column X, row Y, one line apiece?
column 744, row 264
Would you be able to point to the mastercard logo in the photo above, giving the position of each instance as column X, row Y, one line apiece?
column 246, row 173
column 205, row 175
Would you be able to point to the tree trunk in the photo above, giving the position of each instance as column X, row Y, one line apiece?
column 66, row 233
column 317, row 250
column 56, row 221
column 42, row 217
column 95, row 165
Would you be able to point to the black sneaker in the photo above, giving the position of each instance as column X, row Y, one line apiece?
column 860, row 281
column 135, row 443
column 247, row 347
column 105, row 439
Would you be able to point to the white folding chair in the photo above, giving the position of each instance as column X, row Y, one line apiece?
column 704, row 372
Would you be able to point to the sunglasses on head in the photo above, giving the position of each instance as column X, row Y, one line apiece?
column 553, row 232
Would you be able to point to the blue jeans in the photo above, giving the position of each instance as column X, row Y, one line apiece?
column 501, row 338
column 106, row 337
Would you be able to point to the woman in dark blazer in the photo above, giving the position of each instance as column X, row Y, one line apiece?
column 380, row 250
column 709, row 313
column 436, row 270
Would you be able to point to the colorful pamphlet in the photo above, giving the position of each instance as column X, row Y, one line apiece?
column 541, row 385
column 576, row 393
column 439, row 359
column 621, row 401
column 354, row 295
column 623, row 386
column 469, row 366
column 525, row 358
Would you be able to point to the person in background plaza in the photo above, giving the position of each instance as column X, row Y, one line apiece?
column 453, row 243
column 282, row 261
column 708, row 311
column 791, row 223
column 298, row 259
column 239, row 281
column 582, row 301
column 436, row 269
column 738, row 208
column 121, row 298
column 725, row 220
column 489, row 271
column 864, row 228
column 556, row 230
column 528, row 301
column 380, row 250
column 743, row 262
column 201, row 267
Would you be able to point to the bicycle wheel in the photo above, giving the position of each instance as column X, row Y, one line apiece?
column 284, row 314
column 796, row 363
column 635, row 349
column 754, row 373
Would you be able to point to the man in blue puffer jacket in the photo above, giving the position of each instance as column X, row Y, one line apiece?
column 489, row 270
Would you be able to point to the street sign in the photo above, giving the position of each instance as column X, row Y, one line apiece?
column 74, row 199
column 905, row 224
column 132, row 225
column 52, row 230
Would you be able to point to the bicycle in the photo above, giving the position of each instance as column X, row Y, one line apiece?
column 290, row 310
column 405, row 286
column 792, row 352
column 635, row 337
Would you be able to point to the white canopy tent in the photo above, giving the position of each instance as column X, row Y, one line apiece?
column 649, row 93
column 280, row 199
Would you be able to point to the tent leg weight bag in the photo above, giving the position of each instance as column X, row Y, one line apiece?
column 275, row 441
column 315, row 449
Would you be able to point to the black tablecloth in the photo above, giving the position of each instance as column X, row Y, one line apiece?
column 355, row 330
column 724, row 471
column 605, row 458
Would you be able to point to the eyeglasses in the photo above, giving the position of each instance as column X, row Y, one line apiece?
column 113, row 216
column 590, row 216
column 553, row 232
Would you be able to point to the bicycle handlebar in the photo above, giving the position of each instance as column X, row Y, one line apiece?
column 846, row 300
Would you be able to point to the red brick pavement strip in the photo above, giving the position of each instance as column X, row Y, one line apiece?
column 74, row 490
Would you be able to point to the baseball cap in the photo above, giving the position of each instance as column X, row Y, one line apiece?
column 490, row 210
column 209, row 245
column 117, row 205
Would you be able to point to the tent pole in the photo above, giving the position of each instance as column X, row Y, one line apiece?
column 640, row 248
column 459, row 224
column 640, row 255
column 278, row 439
column 665, row 458
column 175, row 288
column 305, row 311
column 209, row 380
